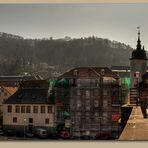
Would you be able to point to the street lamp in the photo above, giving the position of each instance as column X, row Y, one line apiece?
column 24, row 126
column 100, row 124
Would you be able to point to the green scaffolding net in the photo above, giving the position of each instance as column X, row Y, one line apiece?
column 126, row 82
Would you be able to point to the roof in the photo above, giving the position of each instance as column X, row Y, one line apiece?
column 31, row 92
column 120, row 67
column 16, row 78
column 97, row 71
column 29, row 96
column 34, row 84
column 139, row 53
column 10, row 90
column 107, row 72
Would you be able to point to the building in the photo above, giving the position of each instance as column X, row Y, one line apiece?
column 29, row 108
column 122, row 71
column 5, row 93
column 89, row 98
column 14, row 81
column 143, row 88
column 138, row 62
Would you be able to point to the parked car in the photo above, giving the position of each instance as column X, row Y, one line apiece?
column 1, row 133
column 65, row 134
column 10, row 133
column 29, row 134
column 41, row 133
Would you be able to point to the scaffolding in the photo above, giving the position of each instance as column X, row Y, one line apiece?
column 93, row 109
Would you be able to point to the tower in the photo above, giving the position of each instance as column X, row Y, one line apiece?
column 138, row 62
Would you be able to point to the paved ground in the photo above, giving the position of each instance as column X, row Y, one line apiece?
column 136, row 127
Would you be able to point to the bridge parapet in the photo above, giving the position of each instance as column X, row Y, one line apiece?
column 136, row 127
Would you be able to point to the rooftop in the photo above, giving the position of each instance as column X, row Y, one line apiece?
column 97, row 72
column 31, row 92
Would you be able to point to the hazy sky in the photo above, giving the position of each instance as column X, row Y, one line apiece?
column 113, row 21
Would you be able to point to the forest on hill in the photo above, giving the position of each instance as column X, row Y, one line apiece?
column 19, row 55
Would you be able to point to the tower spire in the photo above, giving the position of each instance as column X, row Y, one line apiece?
column 138, row 41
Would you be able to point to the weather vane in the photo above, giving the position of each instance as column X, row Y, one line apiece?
column 138, row 27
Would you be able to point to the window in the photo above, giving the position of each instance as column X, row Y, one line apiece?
column 87, row 114
column 88, row 102
column 75, row 73
column 49, row 109
column 104, row 118
column 22, row 109
column 9, row 108
column 78, row 103
column 17, row 109
column 30, row 120
column 87, row 94
column 96, row 114
column 46, row 121
column 96, row 103
column 96, row 92
column 78, row 92
column 42, row 109
column 78, row 114
column 14, row 120
column 35, row 109
column 105, row 92
column 105, row 103
column 27, row 109
column 88, row 107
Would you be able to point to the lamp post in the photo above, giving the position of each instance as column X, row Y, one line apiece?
column 24, row 127
column 137, row 76
column 100, row 118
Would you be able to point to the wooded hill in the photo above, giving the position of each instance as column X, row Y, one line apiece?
column 18, row 54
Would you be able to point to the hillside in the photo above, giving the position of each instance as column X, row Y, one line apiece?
column 18, row 54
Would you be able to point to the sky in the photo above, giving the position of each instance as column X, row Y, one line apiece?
column 112, row 21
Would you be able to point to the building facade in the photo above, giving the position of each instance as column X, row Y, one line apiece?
column 5, row 93
column 93, row 102
column 143, row 88
column 29, row 108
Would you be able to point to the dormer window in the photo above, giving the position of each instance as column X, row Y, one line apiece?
column 75, row 73
column 102, row 72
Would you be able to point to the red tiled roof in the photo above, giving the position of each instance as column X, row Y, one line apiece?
column 10, row 90
column 95, row 70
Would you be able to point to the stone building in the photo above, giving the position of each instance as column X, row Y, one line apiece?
column 90, row 99
column 138, row 62
column 143, row 88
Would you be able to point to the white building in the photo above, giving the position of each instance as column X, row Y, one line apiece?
column 29, row 108
column 5, row 93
